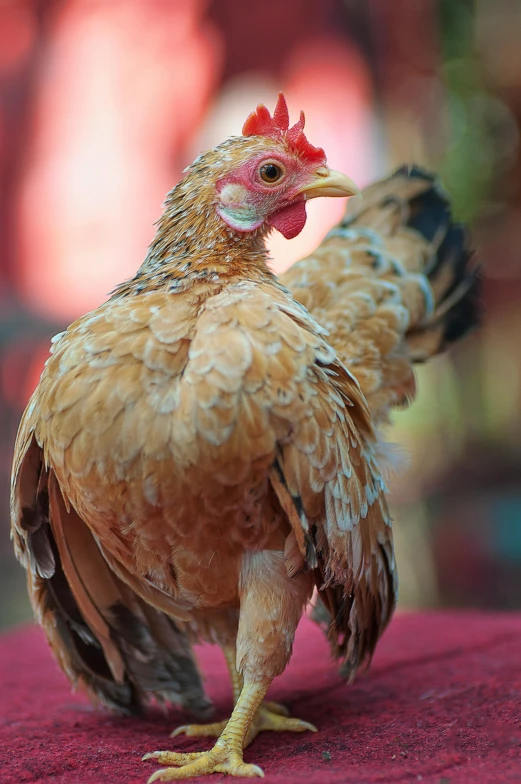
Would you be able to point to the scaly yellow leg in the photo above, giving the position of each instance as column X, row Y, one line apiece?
column 226, row 755
column 237, row 683
column 270, row 715
column 235, row 676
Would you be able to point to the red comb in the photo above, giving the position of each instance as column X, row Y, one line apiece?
column 261, row 123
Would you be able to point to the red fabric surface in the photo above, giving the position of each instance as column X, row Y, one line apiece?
column 440, row 704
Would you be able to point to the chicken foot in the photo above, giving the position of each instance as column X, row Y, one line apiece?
column 270, row 715
column 226, row 755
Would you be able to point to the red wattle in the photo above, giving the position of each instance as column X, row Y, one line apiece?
column 289, row 220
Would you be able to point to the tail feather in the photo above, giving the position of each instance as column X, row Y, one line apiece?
column 396, row 282
column 453, row 273
column 451, row 267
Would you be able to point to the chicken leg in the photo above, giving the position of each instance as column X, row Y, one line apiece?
column 270, row 715
column 271, row 604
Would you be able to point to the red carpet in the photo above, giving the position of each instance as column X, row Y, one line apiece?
column 440, row 704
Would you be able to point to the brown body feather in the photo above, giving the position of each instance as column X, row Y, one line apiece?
column 199, row 433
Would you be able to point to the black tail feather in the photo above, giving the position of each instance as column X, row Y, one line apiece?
column 454, row 273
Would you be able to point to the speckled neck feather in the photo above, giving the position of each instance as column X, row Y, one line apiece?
column 192, row 242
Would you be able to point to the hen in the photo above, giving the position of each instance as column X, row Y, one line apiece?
column 200, row 451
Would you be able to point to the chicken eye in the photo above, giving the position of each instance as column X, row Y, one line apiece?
column 270, row 172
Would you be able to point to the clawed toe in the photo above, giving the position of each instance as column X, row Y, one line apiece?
column 174, row 757
column 276, row 721
column 200, row 763
column 200, row 730
column 276, row 707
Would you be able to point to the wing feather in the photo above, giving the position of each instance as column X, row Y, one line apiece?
column 104, row 635
column 318, row 437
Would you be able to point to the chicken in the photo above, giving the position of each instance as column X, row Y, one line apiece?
column 201, row 451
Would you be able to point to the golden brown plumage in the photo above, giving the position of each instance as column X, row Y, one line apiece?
column 394, row 284
column 200, row 451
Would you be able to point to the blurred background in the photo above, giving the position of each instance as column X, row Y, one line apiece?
column 104, row 102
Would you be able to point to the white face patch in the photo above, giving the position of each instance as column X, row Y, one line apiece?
column 233, row 194
column 234, row 209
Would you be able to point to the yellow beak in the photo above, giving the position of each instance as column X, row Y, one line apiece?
column 328, row 182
